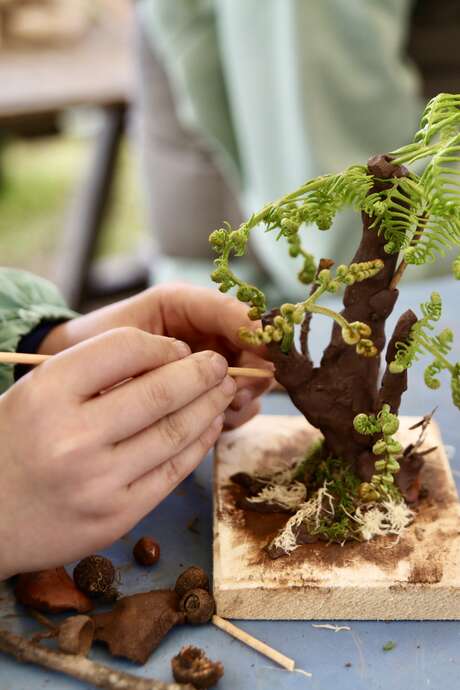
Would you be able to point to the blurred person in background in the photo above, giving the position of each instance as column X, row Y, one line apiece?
column 243, row 100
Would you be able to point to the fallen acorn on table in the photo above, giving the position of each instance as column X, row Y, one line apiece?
column 192, row 578
column 198, row 606
column 94, row 575
column 146, row 551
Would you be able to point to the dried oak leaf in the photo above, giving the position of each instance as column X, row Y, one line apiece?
column 192, row 665
column 137, row 624
column 51, row 591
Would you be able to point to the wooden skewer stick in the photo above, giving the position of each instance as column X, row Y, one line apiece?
column 22, row 358
column 281, row 659
column 250, row 371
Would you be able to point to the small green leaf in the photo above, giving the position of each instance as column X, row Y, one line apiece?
column 389, row 646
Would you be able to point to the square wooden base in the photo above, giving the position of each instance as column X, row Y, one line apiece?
column 415, row 578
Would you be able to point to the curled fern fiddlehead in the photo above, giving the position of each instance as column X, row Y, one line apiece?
column 387, row 449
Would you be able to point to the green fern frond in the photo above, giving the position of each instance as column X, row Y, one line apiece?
column 409, row 352
column 456, row 268
column 420, row 342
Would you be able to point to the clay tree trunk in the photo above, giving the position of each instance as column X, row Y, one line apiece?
column 345, row 383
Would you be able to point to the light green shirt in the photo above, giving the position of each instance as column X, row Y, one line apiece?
column 25, row 301
column 285, row 90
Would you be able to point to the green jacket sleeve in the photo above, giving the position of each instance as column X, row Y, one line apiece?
column 25, row 301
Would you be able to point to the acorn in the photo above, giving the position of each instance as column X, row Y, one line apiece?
column 192, row 578
column 198, row 606
column 146, row 551
column 192, row 666
column 94, row 575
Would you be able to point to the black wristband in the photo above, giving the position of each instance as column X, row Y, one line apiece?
column 30, row 343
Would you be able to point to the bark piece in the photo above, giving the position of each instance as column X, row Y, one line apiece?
column 137, row 624
column 51, row 591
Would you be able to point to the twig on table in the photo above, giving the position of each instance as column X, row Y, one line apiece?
column 78, row 666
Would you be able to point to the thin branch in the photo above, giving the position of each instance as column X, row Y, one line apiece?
column 79, row 667
column 398, row 274
column 305, row 328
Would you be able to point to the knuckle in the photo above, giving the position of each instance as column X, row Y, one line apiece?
column 206, row 440
column 157, row 395
column 204, row 371
column 128, row 339
column 218, row 401
column 175, row 430
column 174, row 472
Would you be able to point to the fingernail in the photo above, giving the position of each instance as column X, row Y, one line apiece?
column 218, row 422
column 241, row 399
column 182, row 348
column 219, row 365
column 228, row 386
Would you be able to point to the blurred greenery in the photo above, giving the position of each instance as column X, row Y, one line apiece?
column 38, row 178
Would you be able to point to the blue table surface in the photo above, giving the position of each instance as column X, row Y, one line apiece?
column 426, row 653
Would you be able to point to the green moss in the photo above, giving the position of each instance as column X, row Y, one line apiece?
column 342, row 484
column 307, row 467
column 339, row 530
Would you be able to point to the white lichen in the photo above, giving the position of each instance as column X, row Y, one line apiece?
column 288, row 497
column 308, row 513
column 280, row 475
column 391, row 517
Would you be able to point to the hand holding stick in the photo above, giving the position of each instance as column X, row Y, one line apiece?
column 33, row 360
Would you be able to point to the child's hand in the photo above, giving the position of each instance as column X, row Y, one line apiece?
column 79, row 469
column 203, row 318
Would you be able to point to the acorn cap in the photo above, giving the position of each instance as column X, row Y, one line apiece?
column 76, row 635
column 198, row 606
column 192, row 666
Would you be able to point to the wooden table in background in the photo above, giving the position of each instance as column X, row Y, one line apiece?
column 97, row 71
